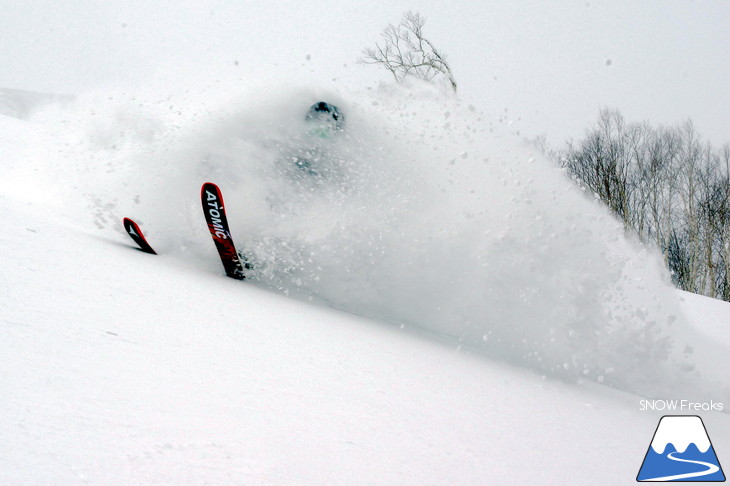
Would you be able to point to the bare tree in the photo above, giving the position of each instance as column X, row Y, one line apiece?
column 665, row 184
column 600, row 162
column 658, row 175
column 689, row 183
column 406, row 52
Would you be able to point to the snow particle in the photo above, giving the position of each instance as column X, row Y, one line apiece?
column 608, row 62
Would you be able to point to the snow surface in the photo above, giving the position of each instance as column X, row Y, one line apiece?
column 498, row 326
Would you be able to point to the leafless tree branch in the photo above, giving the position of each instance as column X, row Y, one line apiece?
column 668, row 186
column 405, row 52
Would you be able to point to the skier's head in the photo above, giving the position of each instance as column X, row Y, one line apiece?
column 326, row 118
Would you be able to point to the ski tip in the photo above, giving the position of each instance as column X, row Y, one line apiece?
column 210, row 190
column 130, row 226
column 137, row 236
column 211, row 186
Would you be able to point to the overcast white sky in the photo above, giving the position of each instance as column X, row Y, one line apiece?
column 546, row 62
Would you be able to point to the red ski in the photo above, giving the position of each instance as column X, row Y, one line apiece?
column 215, row 216
column 136, row 234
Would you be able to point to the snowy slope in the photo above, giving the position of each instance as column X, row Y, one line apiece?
column 123, row 368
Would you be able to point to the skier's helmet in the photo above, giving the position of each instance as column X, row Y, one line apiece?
column 326, row 116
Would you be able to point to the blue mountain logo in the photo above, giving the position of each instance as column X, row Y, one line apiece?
column 681, row 451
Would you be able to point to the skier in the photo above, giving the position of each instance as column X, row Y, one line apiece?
column 324, row 121
column 325, row 118
column 320, row 160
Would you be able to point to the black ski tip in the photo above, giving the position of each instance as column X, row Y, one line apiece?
column 137, row 236
column 212, row 187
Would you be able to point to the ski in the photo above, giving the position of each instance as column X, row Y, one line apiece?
column 136, row 234
column 215, row 216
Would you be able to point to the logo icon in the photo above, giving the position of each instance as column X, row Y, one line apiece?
column 680, row 451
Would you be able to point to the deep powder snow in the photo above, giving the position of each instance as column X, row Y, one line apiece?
column 421, row 212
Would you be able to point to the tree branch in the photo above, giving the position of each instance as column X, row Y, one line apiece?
column 405, row 52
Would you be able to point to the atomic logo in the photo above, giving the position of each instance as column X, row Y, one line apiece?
column 681, row 451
